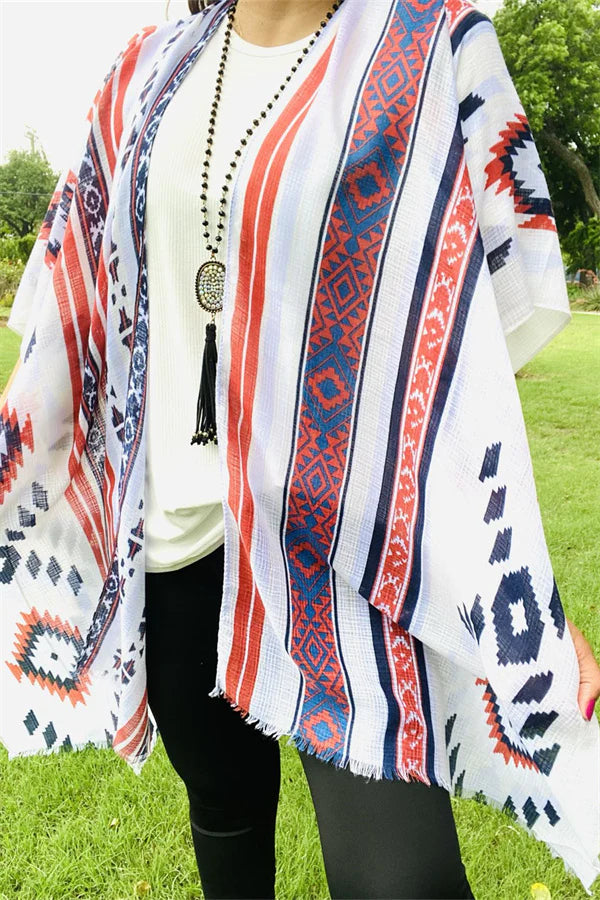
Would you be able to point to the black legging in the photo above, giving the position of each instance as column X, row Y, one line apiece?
column 380, row 839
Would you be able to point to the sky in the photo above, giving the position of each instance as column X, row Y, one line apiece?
column 44, row 42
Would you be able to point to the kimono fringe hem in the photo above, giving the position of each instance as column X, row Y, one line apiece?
column 571, row 856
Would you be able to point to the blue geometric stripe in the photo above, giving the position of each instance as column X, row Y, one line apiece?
column 556, row 608
column 535, row 688
column 553, row 816
column 537, row 724
column 501, row 548
column 495, row 507
column 530, row 812
column 489, row 467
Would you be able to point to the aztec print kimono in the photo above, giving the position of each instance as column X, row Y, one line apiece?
column 392, row 260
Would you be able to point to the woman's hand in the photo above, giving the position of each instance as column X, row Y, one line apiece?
column 589, row 673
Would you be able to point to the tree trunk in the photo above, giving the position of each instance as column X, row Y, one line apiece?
column 577, row 163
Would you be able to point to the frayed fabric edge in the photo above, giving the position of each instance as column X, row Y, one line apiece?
column 136, row 765
column 575, row 864
column 356, row 766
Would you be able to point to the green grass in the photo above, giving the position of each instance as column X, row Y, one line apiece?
column 9, row 351
column 56, row 839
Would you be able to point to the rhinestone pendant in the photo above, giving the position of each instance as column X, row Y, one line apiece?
column 210, row 285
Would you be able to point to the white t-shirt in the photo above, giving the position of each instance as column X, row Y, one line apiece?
column 184, row 514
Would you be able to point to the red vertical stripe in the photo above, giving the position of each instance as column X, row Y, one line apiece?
column 249, row 612
column 125, row 74
column 70, row 288
column 109, row 105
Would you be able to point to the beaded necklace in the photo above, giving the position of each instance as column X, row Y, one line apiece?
column 210, row 278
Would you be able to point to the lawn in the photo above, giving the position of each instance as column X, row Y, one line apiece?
column 82, row 825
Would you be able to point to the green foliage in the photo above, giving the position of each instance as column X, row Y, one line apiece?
column 552, row 50
column 27, row 183
column 584, row 299
column 17, row 248
column 10, row 276
column 582, row 245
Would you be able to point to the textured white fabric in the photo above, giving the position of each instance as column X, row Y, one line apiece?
column 184, row 514
column 388, row 595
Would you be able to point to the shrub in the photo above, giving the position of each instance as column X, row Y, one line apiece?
column 17, row 248
column 587, row 299
column 10, row 276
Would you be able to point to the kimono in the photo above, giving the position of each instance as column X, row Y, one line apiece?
column 388, row 598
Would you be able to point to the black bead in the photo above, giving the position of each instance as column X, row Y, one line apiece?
column 238, row 152
column 255, row 121
column 263, row 114
column 203, row 196
column 206, row 234
column 218, row 238
column 228, row 176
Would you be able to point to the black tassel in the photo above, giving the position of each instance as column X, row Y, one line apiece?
column 206, row 419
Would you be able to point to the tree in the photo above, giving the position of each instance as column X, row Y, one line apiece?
column 552, row 50
column 27, row 183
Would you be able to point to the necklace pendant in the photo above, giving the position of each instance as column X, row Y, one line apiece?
column 210, row 285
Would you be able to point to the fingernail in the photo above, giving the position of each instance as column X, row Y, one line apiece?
column 589, row 709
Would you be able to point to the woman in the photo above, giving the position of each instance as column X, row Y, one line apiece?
column 359, row 561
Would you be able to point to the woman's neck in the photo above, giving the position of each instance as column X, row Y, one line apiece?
column 270, row 23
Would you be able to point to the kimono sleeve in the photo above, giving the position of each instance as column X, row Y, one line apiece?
column 512, row 199
column 107, row 116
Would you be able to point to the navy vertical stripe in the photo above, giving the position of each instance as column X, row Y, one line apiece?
column 377, row 636
column 475, row 17
column 386, row 498
column 426, row 706
column 335, row 187
column 383, row 668
column 447, row 373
